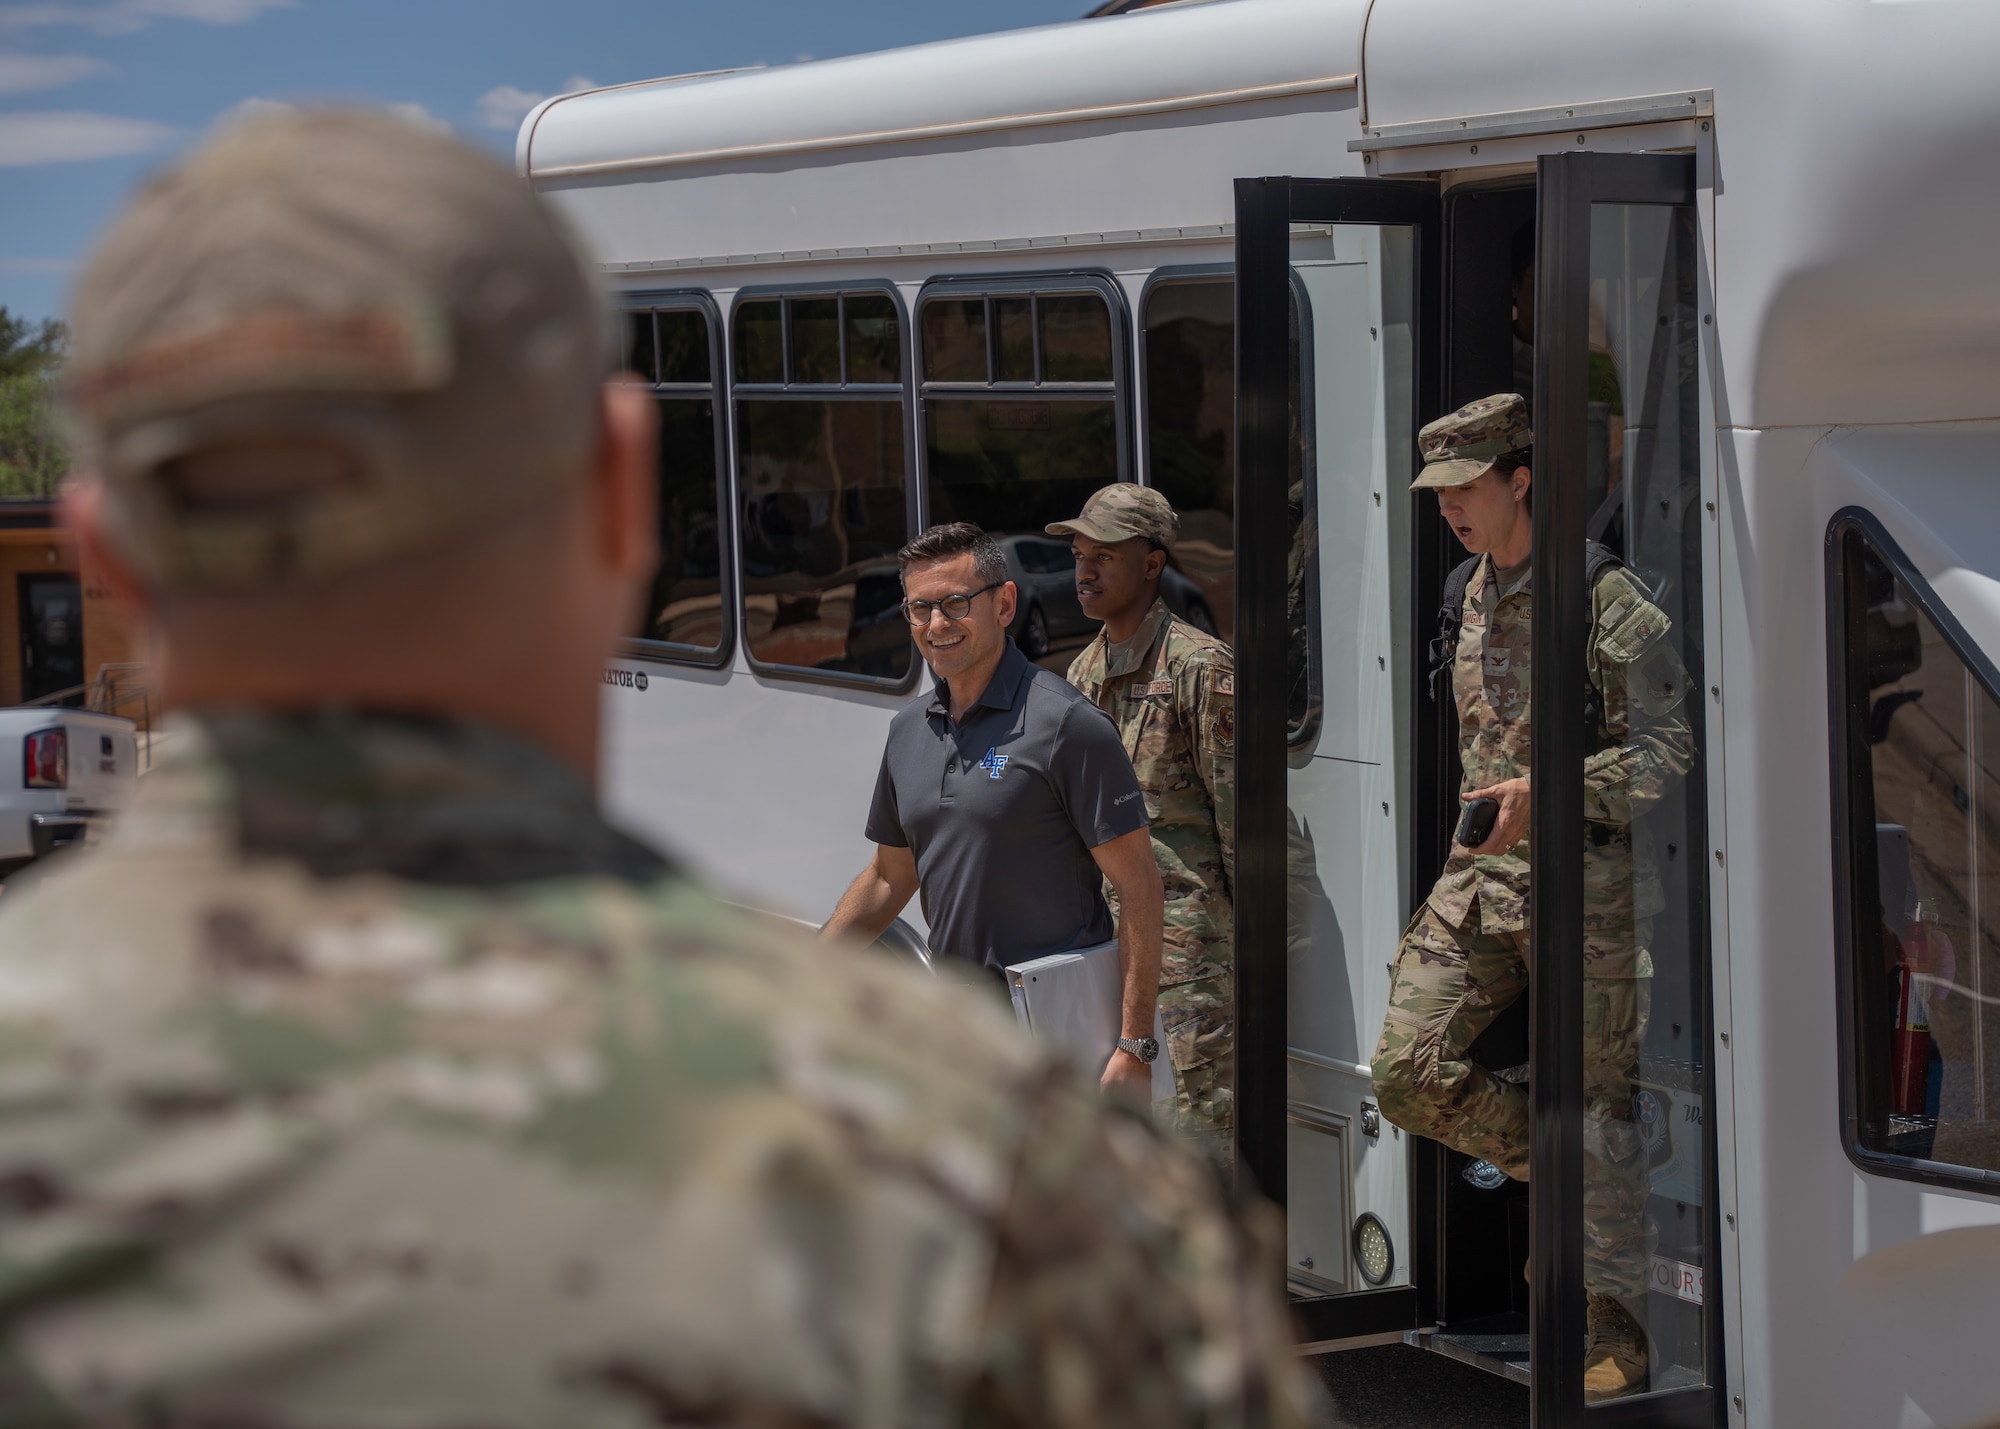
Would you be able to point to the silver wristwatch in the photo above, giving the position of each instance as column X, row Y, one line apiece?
column 1144, row 1048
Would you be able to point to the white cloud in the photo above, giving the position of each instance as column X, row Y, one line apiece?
column 250, row 108
column 209, row 12
column 69, row 135
column 23, row 73
column 416, row 114
column 258, row 105
column 504, row 106
column 122, row 17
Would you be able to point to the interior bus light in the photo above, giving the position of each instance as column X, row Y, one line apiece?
column 47, row 753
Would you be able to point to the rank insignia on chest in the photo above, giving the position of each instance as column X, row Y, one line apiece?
column 993, row 763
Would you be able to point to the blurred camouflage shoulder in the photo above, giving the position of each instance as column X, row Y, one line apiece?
column 580, row 1150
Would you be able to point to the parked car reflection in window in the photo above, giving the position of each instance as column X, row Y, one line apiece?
column 1022, row 399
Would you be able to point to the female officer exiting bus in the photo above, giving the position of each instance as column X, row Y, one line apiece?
column 1464, row 957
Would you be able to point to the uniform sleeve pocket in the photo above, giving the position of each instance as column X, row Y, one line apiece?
column 1655, row 679
column 1631, row 631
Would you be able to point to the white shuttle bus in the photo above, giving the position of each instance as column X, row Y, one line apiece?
column 1741, row 256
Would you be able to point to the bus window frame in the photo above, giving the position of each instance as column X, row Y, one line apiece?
column 1053, row 283
column 650, row 300
column 905, row 392
column 1303, row 737
column 1853, row 855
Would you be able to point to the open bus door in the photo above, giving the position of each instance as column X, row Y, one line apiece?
column 1348, row 771
column 1322, row 766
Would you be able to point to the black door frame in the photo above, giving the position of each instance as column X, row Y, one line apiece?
column 1265, row 210
column 1567, row 186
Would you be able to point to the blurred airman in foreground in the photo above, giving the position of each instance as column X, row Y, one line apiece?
column 364, row 1075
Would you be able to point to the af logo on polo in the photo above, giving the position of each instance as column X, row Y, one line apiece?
column 993, row 763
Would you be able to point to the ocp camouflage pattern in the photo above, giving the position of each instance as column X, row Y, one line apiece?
column 1450, row 982
column 1464, row 957
column 1461, row 446
column 1171, row 690
column 1643, row 745
column 364, row 1076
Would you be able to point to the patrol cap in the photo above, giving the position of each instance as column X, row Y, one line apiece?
column 1121, row 511
column 1462, row 447
column 393, row 307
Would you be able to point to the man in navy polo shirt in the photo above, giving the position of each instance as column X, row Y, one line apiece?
column 1006, row 800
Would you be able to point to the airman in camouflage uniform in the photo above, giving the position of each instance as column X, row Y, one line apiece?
column 1465, row 955
column 1171, row 690
column 364, row 1075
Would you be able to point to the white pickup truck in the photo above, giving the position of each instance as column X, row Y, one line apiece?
column 60, row 771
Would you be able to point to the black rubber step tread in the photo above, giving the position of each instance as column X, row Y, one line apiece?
column 1402, row 1387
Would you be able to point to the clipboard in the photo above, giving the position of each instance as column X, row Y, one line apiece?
column 1073, row 1002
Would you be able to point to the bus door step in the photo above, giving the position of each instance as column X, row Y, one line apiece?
column 1497, row 1344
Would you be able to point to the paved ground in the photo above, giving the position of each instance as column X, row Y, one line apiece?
column 1399, row 1387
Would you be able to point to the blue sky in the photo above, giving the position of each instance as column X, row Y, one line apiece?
column 95, row 93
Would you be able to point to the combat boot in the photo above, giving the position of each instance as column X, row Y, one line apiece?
column 1614, row 1352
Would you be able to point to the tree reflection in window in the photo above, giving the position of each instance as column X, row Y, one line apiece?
column 1923, row 743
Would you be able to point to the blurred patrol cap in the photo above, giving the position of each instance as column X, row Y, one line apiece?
column 1462, row 447
column 1121, row 511
column 327, row 338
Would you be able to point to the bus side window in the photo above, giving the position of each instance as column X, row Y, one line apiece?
column 1922, row 740
column 1189, row 327
column 687, row 615
column 1023, row 389
column 819, row 412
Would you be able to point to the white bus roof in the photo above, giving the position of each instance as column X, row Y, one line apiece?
column 1178, row 57
column 1855, row 166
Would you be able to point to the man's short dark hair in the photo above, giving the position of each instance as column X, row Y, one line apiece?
column 954, row 538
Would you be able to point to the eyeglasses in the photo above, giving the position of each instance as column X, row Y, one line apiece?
column 955, row 607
